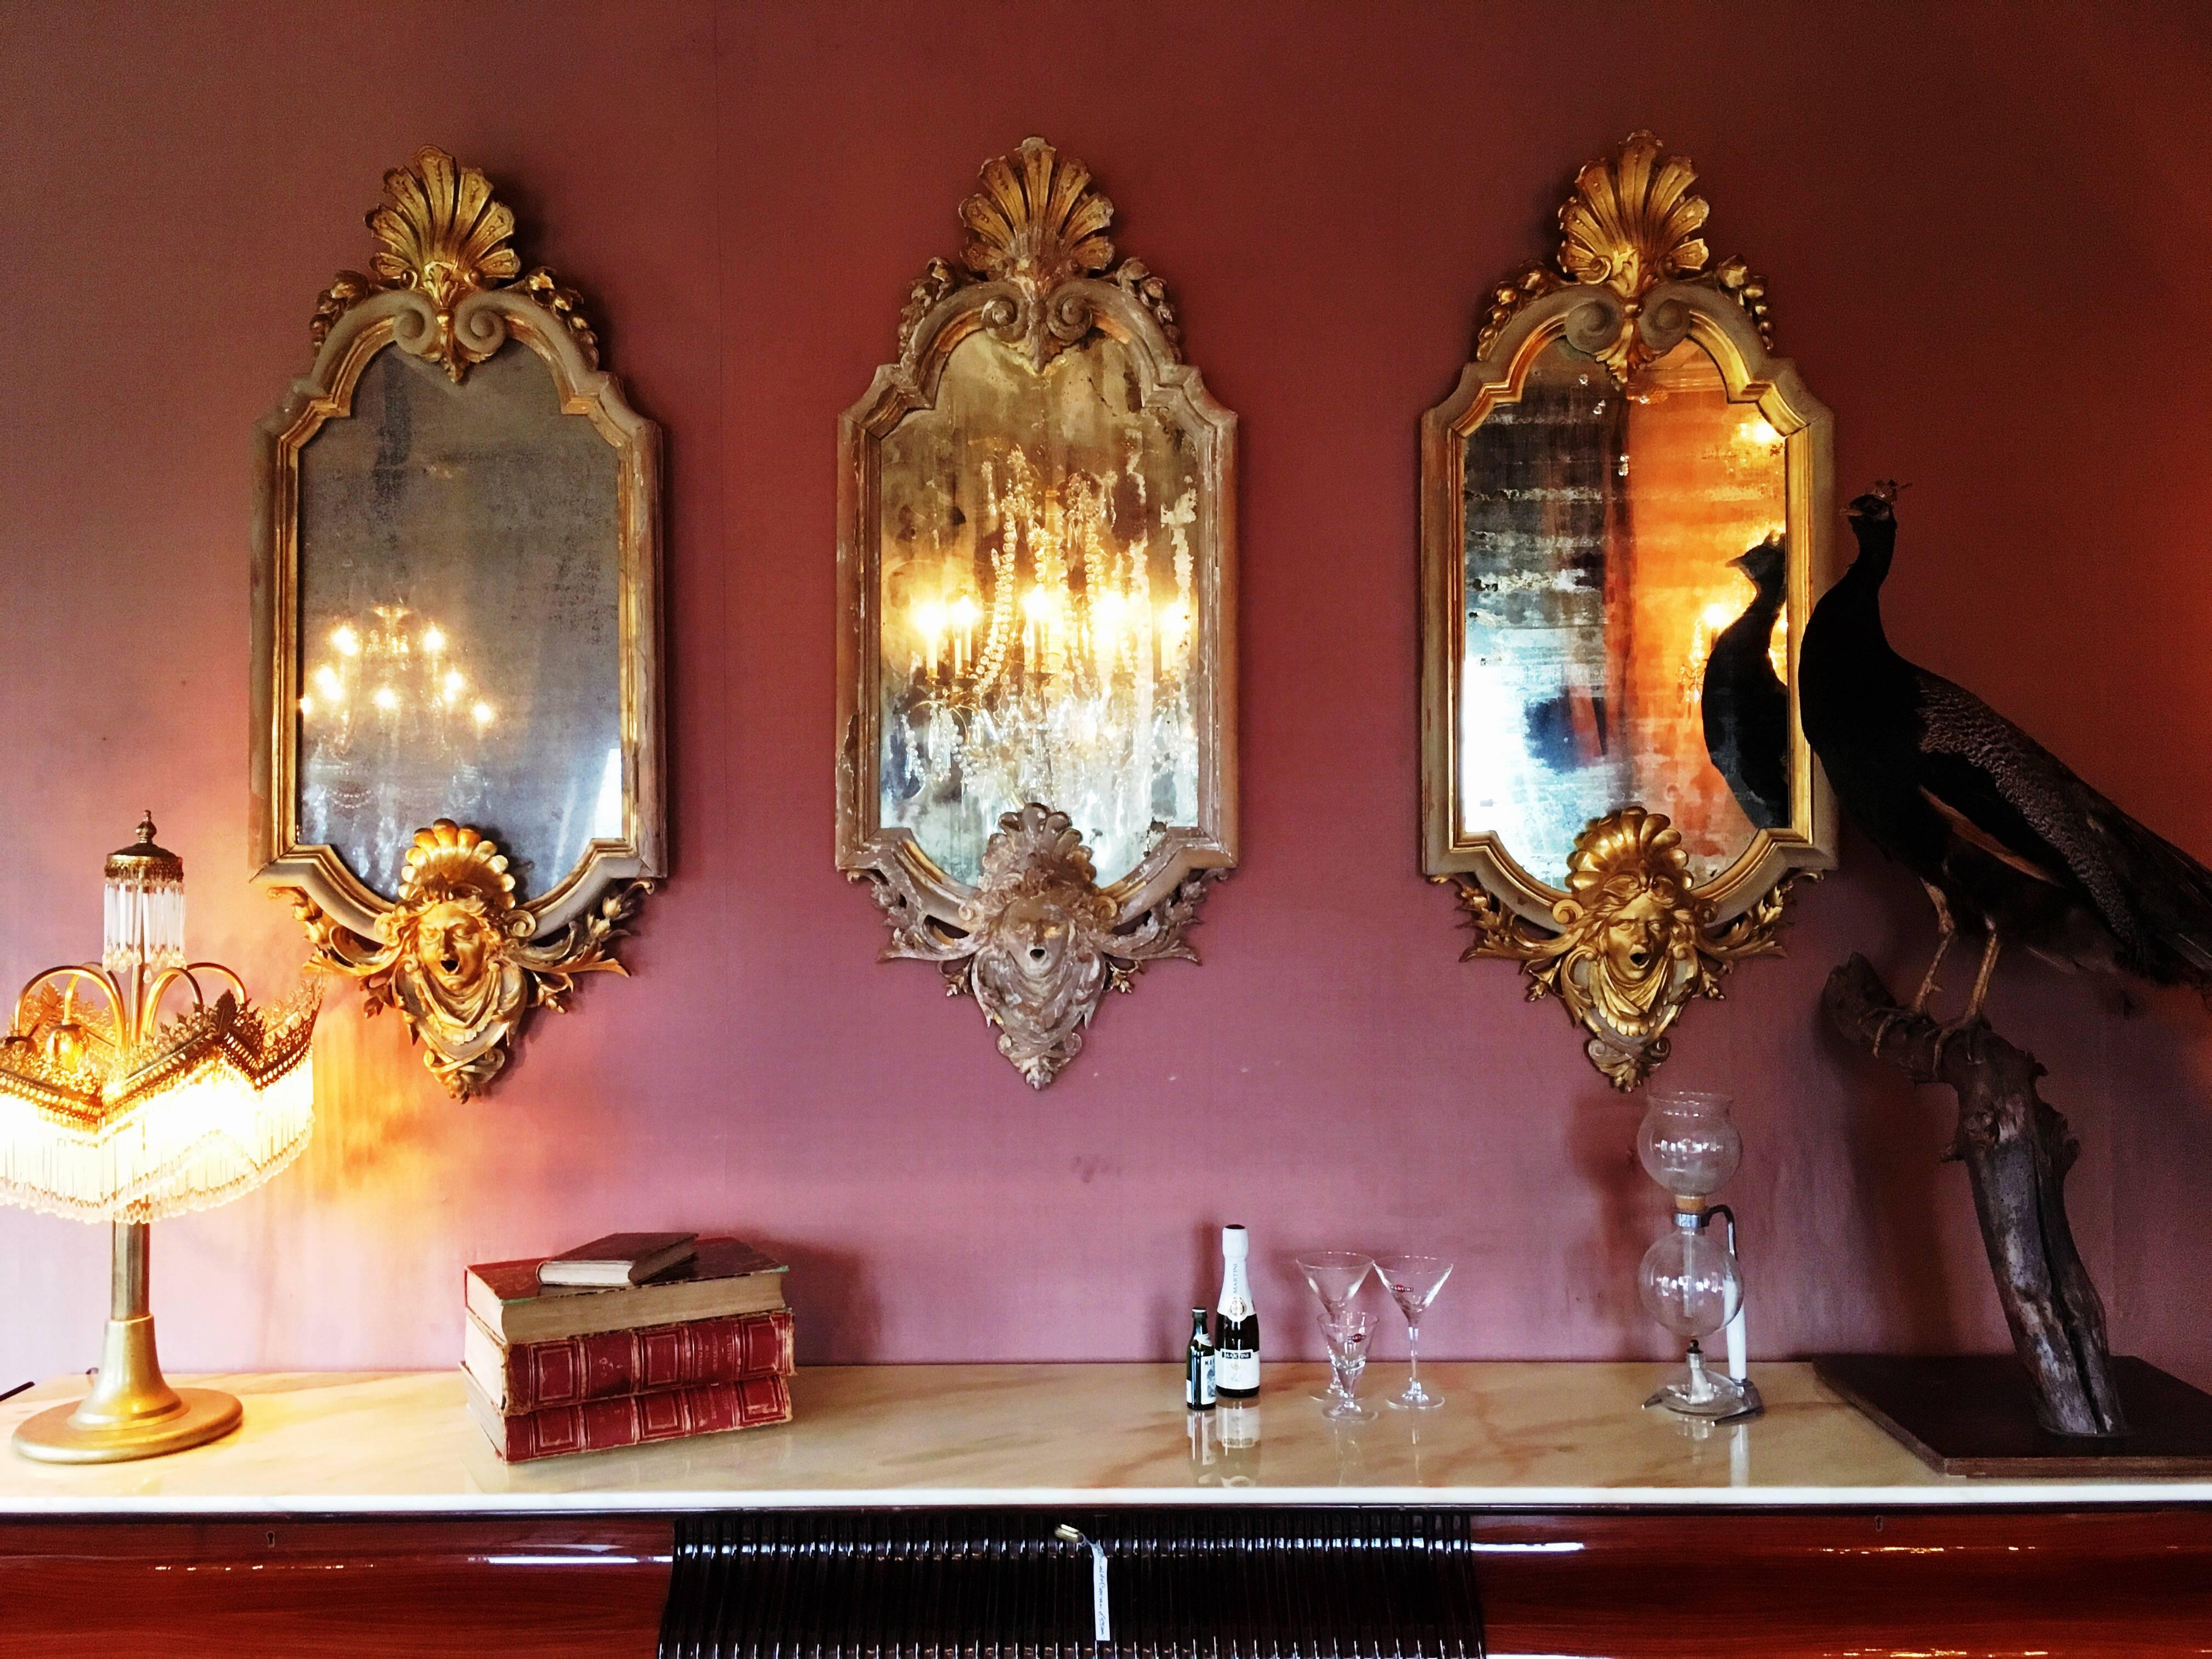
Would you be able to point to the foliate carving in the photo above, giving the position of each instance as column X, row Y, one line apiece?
column 934, row 283
column 1631, row 223
column 1036, row 944
column 1035, row 227
column 455, row 956
column 566, row 304
column 1748, row 289
column 1531, row 283
column 1632, row 942
column 1136, row 279
column 443, row 235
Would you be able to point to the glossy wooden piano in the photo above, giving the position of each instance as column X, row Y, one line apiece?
column 919, row 1509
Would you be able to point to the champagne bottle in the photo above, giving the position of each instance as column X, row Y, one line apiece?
column 1235, row 1325
column 1198, row 1380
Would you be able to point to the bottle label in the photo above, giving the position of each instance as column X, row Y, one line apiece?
column 1207, row 1381
column 1238, row 1369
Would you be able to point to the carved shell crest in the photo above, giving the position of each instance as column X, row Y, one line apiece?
column 1037, row 225
column 441, row 234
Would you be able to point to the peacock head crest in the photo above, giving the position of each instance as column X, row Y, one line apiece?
column 1878, row 502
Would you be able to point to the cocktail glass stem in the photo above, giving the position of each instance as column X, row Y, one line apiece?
column 1413, row 1390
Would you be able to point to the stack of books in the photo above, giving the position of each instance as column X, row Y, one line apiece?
column 641, row 1350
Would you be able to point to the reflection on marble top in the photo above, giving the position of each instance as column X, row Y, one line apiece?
column 1543, row 1434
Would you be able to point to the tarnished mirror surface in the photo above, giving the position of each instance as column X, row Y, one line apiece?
column 456, row 750
column 1626, row 634
column 1037, row 687
column 1039, row 603
column 460, row 626
column 1624, row 523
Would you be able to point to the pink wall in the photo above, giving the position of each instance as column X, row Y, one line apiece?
column 1985, row 232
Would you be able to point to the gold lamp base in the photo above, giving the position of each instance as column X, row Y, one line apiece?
column 131, row 1412
column 200, row 1415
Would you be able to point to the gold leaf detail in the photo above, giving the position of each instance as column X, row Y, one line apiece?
column 1134, row 278
column 1630, row 224
column 1037, row 225
column 1036, row 221
column 566, row 304
column 1734, row 278
column 1531, row 283
column 1633, row 941
column 443, row 233
column 1633, row 222
column 1037, row 946
column 346, row 291
column 936, row 282
column 455, row 956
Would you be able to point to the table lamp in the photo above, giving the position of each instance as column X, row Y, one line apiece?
column 108, row 1114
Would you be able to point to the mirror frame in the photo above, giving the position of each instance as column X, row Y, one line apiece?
column 1035, row 275
column 1630, row 284
column 446, row 287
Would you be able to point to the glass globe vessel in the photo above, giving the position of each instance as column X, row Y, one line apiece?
column 1690, row 1280
column 1689, row 1144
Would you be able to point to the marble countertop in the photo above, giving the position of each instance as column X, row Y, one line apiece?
column 1536, row 1434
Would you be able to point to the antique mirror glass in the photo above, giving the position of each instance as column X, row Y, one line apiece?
column 1624, row 526
column 1037, row 710
column 457, row 751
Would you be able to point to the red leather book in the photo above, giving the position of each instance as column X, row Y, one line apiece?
column 635, row 1419
column 570, row 1370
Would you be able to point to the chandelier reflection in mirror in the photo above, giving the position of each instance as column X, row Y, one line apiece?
column 1037, row 707
column 1046, row 639
column 458, row 779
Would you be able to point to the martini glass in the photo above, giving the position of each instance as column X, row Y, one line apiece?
column 1413, row 1282
column 1347, row 1335
column 1335, row 1277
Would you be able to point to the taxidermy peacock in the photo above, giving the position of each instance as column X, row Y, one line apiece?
column 1745, row 704
column 2004, row 838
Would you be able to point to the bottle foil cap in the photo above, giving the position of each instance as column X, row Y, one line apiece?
column 1233, row 1242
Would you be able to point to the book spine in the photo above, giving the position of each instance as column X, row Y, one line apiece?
column 572, row 1371
column 639, row 1420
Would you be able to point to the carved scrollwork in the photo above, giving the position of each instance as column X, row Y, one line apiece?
column 443, row 235
column 1037, row 946
column 1037, row 226
column 1630, row 224
column 1631, row 943
column 455, row 956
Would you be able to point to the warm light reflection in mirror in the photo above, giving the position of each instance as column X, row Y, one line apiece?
column 403, row 669
column 1616, row 537
column 1039, row 595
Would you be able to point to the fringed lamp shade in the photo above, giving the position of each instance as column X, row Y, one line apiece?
column 205, row 1108
column 108, row 1112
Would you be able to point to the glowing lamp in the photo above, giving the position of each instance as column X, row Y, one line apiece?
column 109, row 1114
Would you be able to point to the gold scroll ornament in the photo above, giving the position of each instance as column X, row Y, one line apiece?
column 454, row 952
column 1037, row 946
column 1634, row 941
column 444, row 236
column 1038, row 941
column 1631, row 225
column 455, row 956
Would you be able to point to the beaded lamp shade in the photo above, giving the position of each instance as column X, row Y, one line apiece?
column 108, row 1113
column 111, row 1109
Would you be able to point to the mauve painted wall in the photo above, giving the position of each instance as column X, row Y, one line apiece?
column 1985, row 230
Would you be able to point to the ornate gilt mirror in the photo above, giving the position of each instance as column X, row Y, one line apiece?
column 456, row 747
column 1037, row 701
column 1625, row 524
